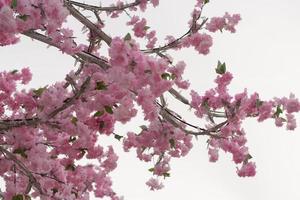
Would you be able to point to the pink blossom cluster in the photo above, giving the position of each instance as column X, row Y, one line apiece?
column 141, row 30
column 231, row 137
column 19, row 16
column 47, row 132
column 141, row 5
column 158, row 142
column 227, row 22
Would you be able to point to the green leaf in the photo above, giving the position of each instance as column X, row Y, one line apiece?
column 151, row 169
column 127, row 37
column 144, row 127
column 221, row 68
column 14, row 71
column 70, row 167
column 14, row 4
column 166, row 76
column 54, row 190
column 99, row 113
column 21, row 152
column 166, row 174
column 100, row 85
column 74, row 120
column 21, row 197
column 72, row 138
column 278, row 111
column 206, row 1
column 258, row 103
column 23, row 17
column 83, row 150
column 118, row 137
column 39, row 92
column 108, row 109
column 172, row 143
column 146, row 28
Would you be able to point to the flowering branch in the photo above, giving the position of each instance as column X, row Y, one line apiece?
column 108, row 9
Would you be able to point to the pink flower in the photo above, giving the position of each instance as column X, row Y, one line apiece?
column 213, row 154
column 140, row 28
column 227, row 22
column 291, row 122
column 201, row 42
column 265, row 111
column 278, row 121
column 154, row 184
column 292, row 104
column 155, row 2
column 247, row 169
column 26, row 75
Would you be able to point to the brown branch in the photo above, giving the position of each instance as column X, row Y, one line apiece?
column 209, row 132
column 70, row 101
column 81, row 18
column 108, row 8
column 8, row 124
column 32, row 180
column 178, row 96
column 177, row 41
column 82, row 55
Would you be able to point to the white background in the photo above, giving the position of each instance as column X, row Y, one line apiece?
column 263, row 56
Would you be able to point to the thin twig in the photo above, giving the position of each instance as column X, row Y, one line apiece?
column 70, row 101
column 108, row 9
column 23, row 169
column 81, row 18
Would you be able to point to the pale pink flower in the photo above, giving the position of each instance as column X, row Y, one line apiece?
column 248, row 169
column 154, row 184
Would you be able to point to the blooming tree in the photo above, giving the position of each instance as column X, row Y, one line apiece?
column 45, row 132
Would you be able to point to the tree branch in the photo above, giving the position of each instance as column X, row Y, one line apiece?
column 82, row 55
column 23, row 169
column 81, row 18
column 108, row 9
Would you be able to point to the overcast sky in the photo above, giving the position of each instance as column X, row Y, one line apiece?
column 263, row 56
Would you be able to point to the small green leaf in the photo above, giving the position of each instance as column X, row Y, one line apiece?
column 206, row 1
column 108, row 109
column 118, row 137
column 70, row 167
column 100, row 85
column 258, row 103
column 98, row 113
column 151, row 169
column 21, row 197
column 21, row 152
column 39, row 92
column 23, row 17
column 54, row 190
column 166, row 76
column 146, row 28
column 14, row 4
column 127, row 37
column 166, row 174
column 83, row 151
column 278, row 111
column 172, row 143
column 144, row 127
column 221, row 68
column 14, row 71
column 74, row 120
column 72, row 138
